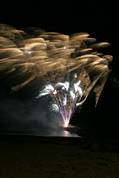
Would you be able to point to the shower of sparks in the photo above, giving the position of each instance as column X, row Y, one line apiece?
column 64, row 98
column 70, row 66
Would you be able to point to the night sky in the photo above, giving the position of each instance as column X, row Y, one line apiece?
column 19, row 111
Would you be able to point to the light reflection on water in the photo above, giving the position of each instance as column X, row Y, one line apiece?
column 68, row 134
column 71, row 131
column 48, row 132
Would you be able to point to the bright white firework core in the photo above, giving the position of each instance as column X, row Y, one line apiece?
column 65, row 96
column 66, row 123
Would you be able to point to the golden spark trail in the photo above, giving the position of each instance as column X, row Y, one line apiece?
column 70, row 66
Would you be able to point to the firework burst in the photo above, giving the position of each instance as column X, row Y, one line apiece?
column 71, row 66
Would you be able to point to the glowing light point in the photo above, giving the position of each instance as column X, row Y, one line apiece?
column 66, row 123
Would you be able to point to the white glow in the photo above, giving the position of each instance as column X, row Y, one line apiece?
column 46, row 91
column 72, row 94
column 49, row 88
column 55, row 108
column 42, row 94
column 65, row 95
column 77, row 88
column 54, row 92
column 77, row 104
column 66, row 123
column 65, row 85
column 75, row 75
column 65, row 101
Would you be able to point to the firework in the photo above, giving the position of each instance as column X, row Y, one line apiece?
column 70, row 66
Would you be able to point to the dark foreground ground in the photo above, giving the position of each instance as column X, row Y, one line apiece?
column 53, row 157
